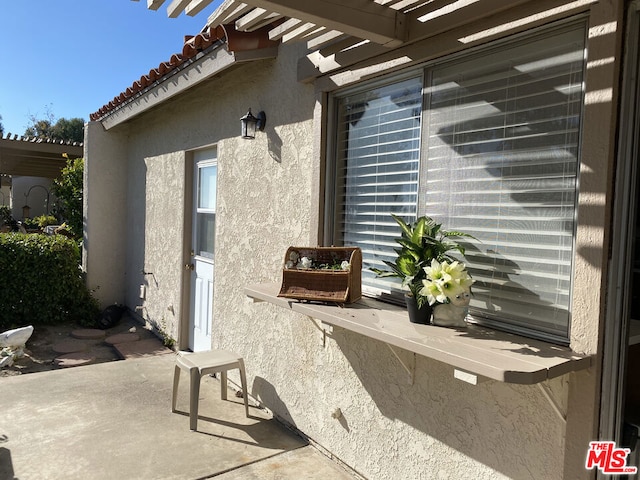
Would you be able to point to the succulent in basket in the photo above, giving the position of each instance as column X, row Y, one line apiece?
column 420, row 242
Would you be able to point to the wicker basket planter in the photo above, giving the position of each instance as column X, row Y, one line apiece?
column 320, row 282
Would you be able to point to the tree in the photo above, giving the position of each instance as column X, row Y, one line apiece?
column 39, row 128
column 1, row 127
column 71, row 130
column 68, row 189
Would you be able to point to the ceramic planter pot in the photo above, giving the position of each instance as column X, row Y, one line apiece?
column 418, row 315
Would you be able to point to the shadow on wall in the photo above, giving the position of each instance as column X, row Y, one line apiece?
column 6, row 465
column 137, row 225
column 493, row 423
column 274, row 142
column 267, row 394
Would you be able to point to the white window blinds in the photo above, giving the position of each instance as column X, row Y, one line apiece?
column 501, row 164
column 488, row 146
column 378, row 151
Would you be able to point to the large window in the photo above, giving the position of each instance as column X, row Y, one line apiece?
column 486, row 144
column 377, row 174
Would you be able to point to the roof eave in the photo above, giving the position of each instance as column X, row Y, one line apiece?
column 182, row 80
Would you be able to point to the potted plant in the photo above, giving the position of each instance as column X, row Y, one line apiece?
column 448, row 289
column 420, row 242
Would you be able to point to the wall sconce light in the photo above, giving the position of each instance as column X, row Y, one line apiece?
column 250, row 124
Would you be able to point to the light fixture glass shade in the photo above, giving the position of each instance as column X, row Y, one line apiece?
column 248, row 125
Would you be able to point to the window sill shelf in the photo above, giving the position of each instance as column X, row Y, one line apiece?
column 481, row 351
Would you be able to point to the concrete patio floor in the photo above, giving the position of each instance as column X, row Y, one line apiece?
column 113, row 421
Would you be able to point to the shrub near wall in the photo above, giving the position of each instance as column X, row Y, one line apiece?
column 41, row 282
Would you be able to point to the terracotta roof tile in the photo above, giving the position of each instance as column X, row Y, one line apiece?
column 192, row 46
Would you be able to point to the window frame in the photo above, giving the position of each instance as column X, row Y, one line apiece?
column 204, row 159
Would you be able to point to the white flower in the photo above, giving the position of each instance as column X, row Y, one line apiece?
column 305, row 263
column 445, row 281
column 436, row 271
column 456, row 269
column 466, row 281
column 294, row 256
column 289, row 264
column 345, row 265
column 450, row 288
column 432, row 291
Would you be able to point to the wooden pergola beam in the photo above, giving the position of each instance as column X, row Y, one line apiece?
column 35, row 158
column 358, row 18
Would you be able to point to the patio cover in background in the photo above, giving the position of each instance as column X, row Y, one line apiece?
column 35, row 157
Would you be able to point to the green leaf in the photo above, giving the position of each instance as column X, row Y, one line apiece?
column 383, row 273
column 406, row 229
column 420, row 243
column 458, row 234
column 407, row 265
column 419, row 230
column 407, row 245
column 46, row 283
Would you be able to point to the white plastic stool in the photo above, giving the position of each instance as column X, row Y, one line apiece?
column 204, row 363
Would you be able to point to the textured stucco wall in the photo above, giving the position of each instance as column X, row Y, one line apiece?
column 163, row 240
column 438, row 427
column 105, row 212
column 158, row 154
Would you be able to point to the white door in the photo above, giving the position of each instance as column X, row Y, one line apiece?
column 203, row 248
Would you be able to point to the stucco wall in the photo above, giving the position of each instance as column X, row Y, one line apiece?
column 157, row 149
column 163, row 240
column 106, row 210
column 40, row 199
column 5, row 196
column 438, row 427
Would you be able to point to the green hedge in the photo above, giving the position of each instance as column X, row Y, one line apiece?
column 41, row 282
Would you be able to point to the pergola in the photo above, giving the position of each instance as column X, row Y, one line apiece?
column 35, row 157
column 341, row 32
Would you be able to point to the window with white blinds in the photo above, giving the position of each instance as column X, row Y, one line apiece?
column 378, row 149
column 501, row 164
column 496, row 156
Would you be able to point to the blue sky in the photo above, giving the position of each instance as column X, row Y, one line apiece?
column 73, row 56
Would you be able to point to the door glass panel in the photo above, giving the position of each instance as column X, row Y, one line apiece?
column 206, row 211
column 207, row 187
column 205, row 240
